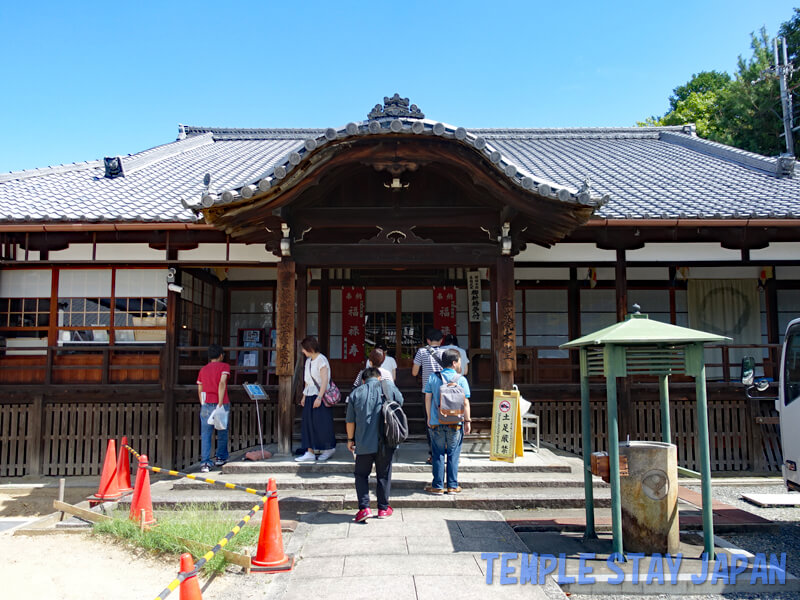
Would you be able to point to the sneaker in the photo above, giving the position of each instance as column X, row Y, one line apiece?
column 454, row 490
column 326, row 454
column 307, row 457
column 363, row 515
column 205, row 468
column 432, row 490
column 385, row 512
column 219, row 462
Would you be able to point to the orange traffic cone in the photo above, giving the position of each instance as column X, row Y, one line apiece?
column 141, row 496
column 190, row 587
column 108, row 489
column 124, row 468
column 269, row 554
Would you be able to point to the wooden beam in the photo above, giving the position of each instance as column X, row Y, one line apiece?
column 166, row 448
column 366, row 255
column 351, row 216
column 285, row 351
column 81, row 513
column 475, row 170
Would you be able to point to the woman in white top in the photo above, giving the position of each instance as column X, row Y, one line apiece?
column 377, row 359
column 316, row 433
column 388, row 362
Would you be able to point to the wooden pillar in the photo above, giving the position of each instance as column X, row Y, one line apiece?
column 495, row 366
column 325, row 310
column 621, row 279
column 506, row 337
column 167, row 432
column 773, row 330
column 285, row 351
column 36, row 419
column 302, row 301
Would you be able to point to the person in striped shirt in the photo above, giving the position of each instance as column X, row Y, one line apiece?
column 427, row 359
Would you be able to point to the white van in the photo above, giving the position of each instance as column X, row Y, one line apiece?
column 787, row 403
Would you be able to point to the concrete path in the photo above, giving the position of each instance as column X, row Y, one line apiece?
column 416, row 554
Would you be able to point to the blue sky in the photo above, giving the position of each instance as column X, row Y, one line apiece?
column 84, row 80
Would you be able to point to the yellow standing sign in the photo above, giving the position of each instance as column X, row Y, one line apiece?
column 506, row 426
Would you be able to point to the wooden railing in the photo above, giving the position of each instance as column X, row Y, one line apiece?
column 82, row 365
column 550, row 364
column 190, row 359
column 139, row 364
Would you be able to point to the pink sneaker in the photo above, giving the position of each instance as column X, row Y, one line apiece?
column 385, row 512
column 363, row 515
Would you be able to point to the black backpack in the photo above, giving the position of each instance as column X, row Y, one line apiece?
column 395, row 423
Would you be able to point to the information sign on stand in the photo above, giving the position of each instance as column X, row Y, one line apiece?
column 506, row 426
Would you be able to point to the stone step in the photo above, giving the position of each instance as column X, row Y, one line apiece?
column 341, row 466
column 345, row 498
column 411, row 457
column 322, row 479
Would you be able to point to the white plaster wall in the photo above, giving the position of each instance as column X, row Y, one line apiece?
column 252, row 252
column 682, row 252
column 74, row 252
column 561, row 273
column 650, row 273
column 205, row 252
column 724, row 272
column 566, row 253
column 33, row 255
column 128, row 253
column 777, row 251
column 787, row 273
column 254, row 274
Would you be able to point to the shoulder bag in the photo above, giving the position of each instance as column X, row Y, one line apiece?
column 332, row 395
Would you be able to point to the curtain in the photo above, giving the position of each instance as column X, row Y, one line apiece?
column 728, row 307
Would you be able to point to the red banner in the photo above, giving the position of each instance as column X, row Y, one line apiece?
column 353, row 324
column 444, row 309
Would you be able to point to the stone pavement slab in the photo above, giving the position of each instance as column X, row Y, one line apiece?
column 365, row 587
column 416, row 554
column 786, row 499
column 456, row 564
column 438, row 587
column 354, row 546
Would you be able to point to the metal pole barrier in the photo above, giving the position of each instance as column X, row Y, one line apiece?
column 586, row 438
column 613, row 449
column 663, row 389
column 705, row 460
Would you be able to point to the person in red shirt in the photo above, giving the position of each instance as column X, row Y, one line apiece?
column 212, row 390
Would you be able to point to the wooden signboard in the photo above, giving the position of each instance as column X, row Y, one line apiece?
column 506, row 426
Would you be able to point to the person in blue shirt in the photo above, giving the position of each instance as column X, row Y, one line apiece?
column 364, row 423
column 446, row 439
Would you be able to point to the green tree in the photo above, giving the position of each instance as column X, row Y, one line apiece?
column 743, row 110
column 750, row 109
column 697, row 101
column 700, row 83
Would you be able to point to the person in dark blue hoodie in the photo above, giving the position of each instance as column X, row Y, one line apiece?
column 364, row 421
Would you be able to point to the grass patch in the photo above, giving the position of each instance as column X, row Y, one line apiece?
column 202, row 523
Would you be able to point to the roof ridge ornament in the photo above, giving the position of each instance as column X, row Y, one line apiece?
column 395, row 107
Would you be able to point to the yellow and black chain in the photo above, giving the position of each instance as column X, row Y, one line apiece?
column 210, row 554
column 230, row 486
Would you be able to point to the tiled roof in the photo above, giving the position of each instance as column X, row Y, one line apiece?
column 651, row 172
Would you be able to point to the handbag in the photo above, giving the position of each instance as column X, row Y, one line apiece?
column 332, row 395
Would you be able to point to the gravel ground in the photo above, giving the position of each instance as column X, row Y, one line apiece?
column 786, row 539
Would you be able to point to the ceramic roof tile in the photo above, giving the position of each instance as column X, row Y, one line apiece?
column 648, row 172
